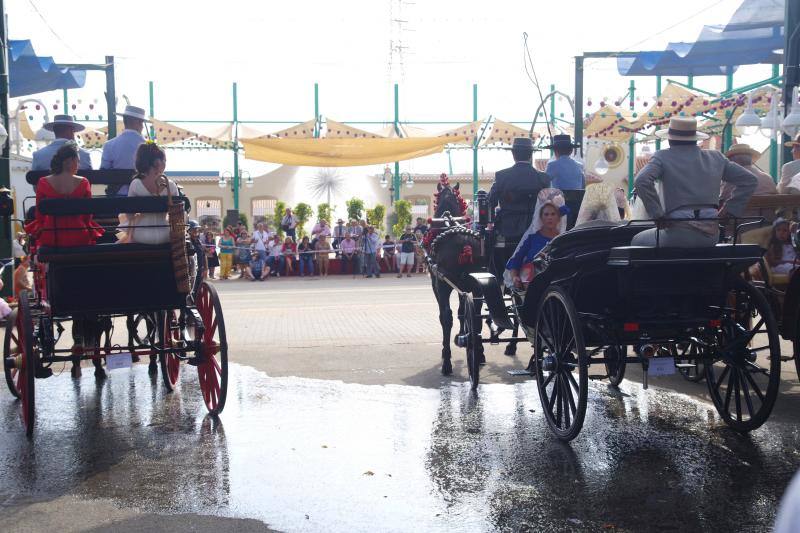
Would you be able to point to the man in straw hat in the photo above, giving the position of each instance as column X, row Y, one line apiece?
column 565, row 172
column 64, row 128
column 790, row 169
column 120, row 152
column 689, row 176
column 743, row 155
column 515, row 190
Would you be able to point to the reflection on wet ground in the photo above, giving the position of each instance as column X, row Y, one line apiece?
column 302, row 454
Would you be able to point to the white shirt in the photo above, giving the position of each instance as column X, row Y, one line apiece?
column 788, row 171
column 19, row 251
column 120, row 152
column 261, row 238
column 150, row 235
column 275, row 249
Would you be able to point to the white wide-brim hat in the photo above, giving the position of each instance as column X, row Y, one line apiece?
column 682, row 129
column 134, row 112
column 65, row 120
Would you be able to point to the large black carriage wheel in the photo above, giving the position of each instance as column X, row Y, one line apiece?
column 796, row 349
column 616, row 363
column 213, row 370
column 169, row 336
column 744, row 377
column 472, row 328
column 559, row 353
column 18, row 345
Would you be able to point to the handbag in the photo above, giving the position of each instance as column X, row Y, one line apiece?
column 176, row 215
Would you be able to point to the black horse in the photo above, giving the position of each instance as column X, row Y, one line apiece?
column 454, row 251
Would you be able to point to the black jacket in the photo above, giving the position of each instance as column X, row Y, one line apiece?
column 515, row 190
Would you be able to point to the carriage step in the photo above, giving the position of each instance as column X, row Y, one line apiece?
column 42, row 373
column 598, row 376
column 519, row 372
column 784, row 358
column 685, row 365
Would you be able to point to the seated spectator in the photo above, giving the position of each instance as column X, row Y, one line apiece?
column 388, row 260
column 790, row 170
column 289, row 249
column 320, row 228
column 18, row 246
column 239, row 229
column 743, row 155
column 406, row 261
column 781, row 256
column 421, row 227
column 257, row 269
column 22, row 281
column 150, row 228
column 5, row 309
column 276, row 260
column 306, row 257
column 348, row 254
column 419, row 254
column 323, row 249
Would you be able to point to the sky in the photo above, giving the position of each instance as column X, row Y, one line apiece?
column 275, row 51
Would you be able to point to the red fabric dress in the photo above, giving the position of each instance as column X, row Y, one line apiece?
column 68, row 230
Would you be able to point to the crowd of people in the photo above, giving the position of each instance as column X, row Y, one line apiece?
column 275, row 252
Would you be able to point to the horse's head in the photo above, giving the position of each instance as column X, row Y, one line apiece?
column 448, row 200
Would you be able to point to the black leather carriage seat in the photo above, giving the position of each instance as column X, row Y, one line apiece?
column 104, row 253
column 721, row 253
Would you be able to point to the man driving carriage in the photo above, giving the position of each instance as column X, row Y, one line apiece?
column 514, row 190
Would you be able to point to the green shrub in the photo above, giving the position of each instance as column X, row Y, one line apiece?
column 402, row 209
column 355, row 208
column 303, row 213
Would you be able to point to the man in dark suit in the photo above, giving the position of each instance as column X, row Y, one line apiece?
column 514, row 190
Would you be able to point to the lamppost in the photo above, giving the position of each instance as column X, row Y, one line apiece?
column 388, row 178
column 227, row 177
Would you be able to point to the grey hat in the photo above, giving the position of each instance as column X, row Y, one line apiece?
column 193, row 225
column 523, row 143
column 64, row 120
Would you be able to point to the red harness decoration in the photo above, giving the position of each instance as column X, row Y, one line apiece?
column 465, row 257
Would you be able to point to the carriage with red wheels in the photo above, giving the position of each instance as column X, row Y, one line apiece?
column 102, row 285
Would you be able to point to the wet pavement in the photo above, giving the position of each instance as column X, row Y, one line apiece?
column 298, row 454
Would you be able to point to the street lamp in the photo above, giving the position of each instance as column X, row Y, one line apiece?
column 227, row 177
column 771, row 123
column 791, row 124
column 405, row 176
column 387, row 177
column 748, row 122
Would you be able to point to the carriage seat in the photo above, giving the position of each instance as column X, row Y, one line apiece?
column 650, row 255
column 104, row 253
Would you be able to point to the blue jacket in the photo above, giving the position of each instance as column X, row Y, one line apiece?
column 567, row 174
column 42, row 157
column 532, row 245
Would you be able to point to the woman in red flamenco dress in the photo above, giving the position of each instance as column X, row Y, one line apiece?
column 68, row 231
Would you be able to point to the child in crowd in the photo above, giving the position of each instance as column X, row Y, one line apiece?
column 242, row 255
column 389, row 248
column 257, row 269
column 323, row 249
column 781, row 255
column 289, row 249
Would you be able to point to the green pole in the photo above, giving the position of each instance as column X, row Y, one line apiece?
column 727, row 133
column 396, row 177
column 690, row 81
column 152, row 108
column 631, row 147
column 475, row 145
column 773, row 143
column 235, row 148
column 658, row 95
column 66, row 102
column 578, row 102
column 5, row 162
column 316, row 110
column 111, row 98
column 552, row 111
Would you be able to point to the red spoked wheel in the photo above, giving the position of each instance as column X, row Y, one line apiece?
column 168, row 336
column 213, row 371
column 18, row 346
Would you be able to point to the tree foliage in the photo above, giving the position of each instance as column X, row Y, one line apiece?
column 303, row 213
column 377, row 216
column 280, row 210
column 402, row 209
column 355, row 208
column 324, row 212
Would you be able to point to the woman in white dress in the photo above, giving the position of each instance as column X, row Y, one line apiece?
column 150, row 228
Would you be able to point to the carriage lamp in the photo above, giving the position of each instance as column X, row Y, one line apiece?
column 405, row 176
column 6, row 202
column 791, row 124
column 748, row 122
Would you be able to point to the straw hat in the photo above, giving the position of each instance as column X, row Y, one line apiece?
column 792, row 144
column 682, row 129
column 133, row 112
column 64, row 120
column 742, row 148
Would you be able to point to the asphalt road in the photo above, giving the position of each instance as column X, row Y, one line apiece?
column 339, row 420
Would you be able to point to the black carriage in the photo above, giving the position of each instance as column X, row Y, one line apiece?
column 101, row 283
